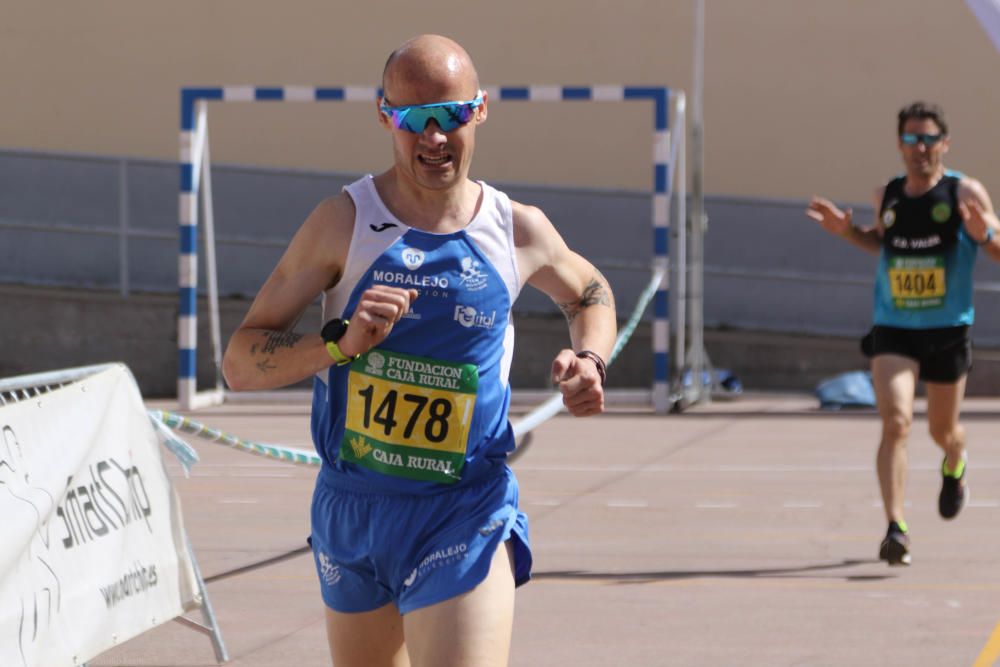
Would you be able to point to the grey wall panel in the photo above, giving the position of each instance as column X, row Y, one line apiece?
column 767, row 266
column 152, row 197
column 768, row 305
column 610, row 228
column 58, row 258
column 153, row 265
column 755, row 239
column 81, row 192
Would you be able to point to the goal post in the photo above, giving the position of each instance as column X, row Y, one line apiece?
column 668, row 193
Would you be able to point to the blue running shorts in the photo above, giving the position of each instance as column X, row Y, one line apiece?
column 415, row 550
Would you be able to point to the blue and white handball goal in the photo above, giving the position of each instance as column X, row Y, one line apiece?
column 669, row 266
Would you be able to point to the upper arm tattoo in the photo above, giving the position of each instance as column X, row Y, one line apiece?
column 595, row 293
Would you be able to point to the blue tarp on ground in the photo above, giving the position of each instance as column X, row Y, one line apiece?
column 848, row 390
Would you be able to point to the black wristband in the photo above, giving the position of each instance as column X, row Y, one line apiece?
column 602, row 368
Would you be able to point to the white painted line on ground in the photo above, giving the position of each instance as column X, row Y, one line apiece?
column 240, row 473
column 627, row 503
column 526, row 467
column 263, row 474
column 767, row 469
column 521, row 467
column 788, row 504
column 916, row 602
column 263, row 464
column 198, row 470
column 201, row 465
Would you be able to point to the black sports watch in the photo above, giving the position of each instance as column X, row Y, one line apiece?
column 332, row 332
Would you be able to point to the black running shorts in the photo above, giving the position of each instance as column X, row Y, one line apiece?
column 944, row 355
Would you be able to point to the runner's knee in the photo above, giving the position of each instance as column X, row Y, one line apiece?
column 896, row 427
column 946, row 435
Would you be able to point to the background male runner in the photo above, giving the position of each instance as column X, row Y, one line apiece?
column 930, row 223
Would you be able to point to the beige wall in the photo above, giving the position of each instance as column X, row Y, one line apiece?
column 800, row 94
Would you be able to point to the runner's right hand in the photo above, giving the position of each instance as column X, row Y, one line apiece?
column 379, row 308
column 831, row 218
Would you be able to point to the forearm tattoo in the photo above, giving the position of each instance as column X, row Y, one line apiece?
column 276, row 339
column 272, row 341
column 596, row 293
column 265, row 365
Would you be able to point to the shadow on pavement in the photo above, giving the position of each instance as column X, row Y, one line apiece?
column 652, row 577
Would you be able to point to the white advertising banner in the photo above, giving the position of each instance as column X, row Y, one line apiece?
column 988, row 14
column 92, row 544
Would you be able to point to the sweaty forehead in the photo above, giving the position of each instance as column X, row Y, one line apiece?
column 921, row 126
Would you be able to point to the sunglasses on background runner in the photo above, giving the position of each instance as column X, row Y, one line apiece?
column 912, row 139
column 448, row 115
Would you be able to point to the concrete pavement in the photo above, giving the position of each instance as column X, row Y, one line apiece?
column 739, row 533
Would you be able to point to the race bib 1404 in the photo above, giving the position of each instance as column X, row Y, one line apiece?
column 917, row 282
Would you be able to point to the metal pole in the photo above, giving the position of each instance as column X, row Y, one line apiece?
column 678, row 355
column 210, row 263
column 207, row 610
column 123, row 285
column 662, row 192
column 696, row 282
column 192, row 147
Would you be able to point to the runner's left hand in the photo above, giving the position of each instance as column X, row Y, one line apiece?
column 977, row 220
column 579, row 382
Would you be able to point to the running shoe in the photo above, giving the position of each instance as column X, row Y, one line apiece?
column 954, row 491
column 895, row 548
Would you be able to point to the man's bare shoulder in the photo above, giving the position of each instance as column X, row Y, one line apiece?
column 323, row 240
column 334, row 215
column 877, row 195
column 530, row 224
column 970, row 188
column 537, row 243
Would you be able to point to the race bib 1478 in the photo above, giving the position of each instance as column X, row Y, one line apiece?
column 409, row 416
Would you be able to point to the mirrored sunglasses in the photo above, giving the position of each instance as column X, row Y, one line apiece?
column 448, row 115
column 912, row 139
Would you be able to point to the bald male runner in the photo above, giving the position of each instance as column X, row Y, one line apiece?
column 416, row 531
